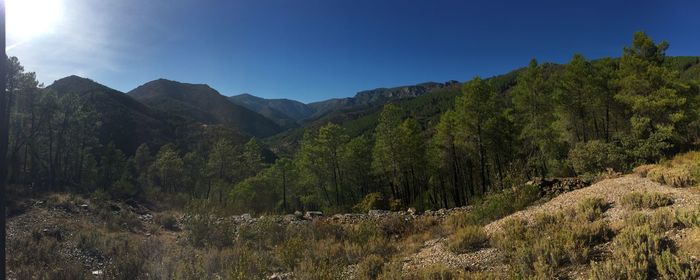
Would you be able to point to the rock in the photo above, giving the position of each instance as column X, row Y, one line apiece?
column 97, row 272
column 246, row 217
column 280, row 276
column 411, row 211
column 377, row 213
column 310, row 215
column 290, row 218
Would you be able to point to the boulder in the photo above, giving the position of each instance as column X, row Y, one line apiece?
column 377, row 213
column 310, row 215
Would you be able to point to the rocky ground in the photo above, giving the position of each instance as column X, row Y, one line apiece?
column 62, row 217
column 612, row 190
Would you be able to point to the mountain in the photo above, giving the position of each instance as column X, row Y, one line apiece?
column 118, row 113
column 291, row 108
column 201, row 103
column 286, row 113
column 374, row 97
column 283, row 111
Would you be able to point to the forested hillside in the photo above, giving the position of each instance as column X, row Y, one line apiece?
column 202, row 104
column 426, row 146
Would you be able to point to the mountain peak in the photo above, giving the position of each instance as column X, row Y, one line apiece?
column 201, row 103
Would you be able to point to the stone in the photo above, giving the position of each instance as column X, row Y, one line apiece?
column 377, row 213
column 290, row 218
column 280, row 276
column 310, row 215
column 411, row 211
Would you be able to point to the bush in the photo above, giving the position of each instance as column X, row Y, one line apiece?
column 659, row 221
column 396, row 225
column 653, row 200
column 439, row 272
column 553, row 240
column 371, row 201
column 370, row 267
column 634, row 252
column 468, row 238
column 681, row 171
column 494, row 207
column 167, row 221
column 596, row 156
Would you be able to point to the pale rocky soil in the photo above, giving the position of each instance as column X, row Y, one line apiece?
column 612, row 190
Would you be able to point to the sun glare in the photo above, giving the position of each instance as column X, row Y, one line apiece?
column 30, row 18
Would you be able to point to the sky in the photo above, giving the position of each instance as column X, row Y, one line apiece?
column 311, row 50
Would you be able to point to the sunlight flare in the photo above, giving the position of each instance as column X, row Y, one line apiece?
column 30, row 18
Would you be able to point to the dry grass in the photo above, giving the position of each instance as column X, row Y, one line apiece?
column 636, row 200
column 468, row 238
column 681, row 171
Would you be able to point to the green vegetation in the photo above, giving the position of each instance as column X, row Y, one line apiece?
column 467, row 238
column 637, row 200
column 681, row 171
column 553, row 240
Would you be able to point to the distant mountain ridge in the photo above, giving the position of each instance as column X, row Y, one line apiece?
column 118, row 113
column 278, row 109
column 201, row 103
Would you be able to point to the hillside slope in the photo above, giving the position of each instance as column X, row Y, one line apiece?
column 118, row 113
column 274, row 108
column 201, row 103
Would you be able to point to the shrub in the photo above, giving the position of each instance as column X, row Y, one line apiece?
column 396, row 225
column 371, row 201
column 392, row 271
column 553, row 240
column 653, row 200
column 495, row 206
column 167, row 221
column 659, row 221
column 370, row 267
column 439, row 272
column 634, row 253
column 291, row 251
column 320, row 269
column 468, row 238
column 596, row 156
column 681, row 171
column 592, row 208
column 688, row 218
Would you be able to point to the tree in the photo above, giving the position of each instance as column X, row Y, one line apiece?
column 657, row 100
column 168, row 168
column 447, row 160
column 330, row 139
column 578, row 101
column 142, row 161
column 534, row 116
column 476, row 112
column 252, row 157
column 221, row 169
column 285, row 169
column 385, row 153
column 357, row 167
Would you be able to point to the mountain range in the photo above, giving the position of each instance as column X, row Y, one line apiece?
column 163, row 111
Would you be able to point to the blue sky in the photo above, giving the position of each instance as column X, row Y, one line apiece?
column 311, row 50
